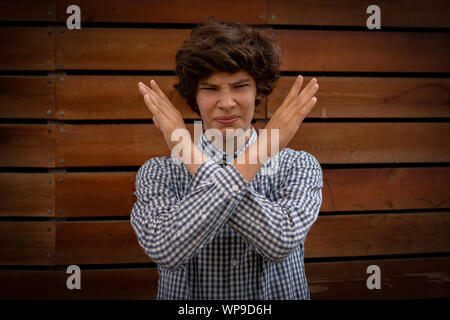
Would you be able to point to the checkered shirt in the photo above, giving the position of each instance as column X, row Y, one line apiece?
column 214, row 235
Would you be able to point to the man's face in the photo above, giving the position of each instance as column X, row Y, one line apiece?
column 227, row 100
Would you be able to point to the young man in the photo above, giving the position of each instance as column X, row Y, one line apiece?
column 221, row 229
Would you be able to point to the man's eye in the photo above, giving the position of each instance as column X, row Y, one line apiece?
column 208, row 88
column 242, row 85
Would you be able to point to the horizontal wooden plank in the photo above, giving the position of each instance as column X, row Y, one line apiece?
column 27, row 97
column 363, row 51
column 168, row 11
column 378, row 97
column 27, row 145
column 418, row 278
column 386, row 189
column 28, row 10
column 95, row 194
column 108, row 145
column 379, row 234
column 118, row 49
column 349, row 51
column 27, row 194
column 126, row 144
column 27, row 284
column 111, row 284
column 27, row 243
column 27, row 48
column 97, row 242
column 374, row 142
column 430, row 14
column 117, row 97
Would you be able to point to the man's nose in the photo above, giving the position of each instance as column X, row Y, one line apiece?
column 226, row 100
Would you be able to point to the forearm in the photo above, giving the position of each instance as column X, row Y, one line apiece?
column 171, row 230
column 276, row 225
column 249, row 162
column 197, row 158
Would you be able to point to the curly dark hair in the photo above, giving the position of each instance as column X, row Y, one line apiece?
column 227, row 47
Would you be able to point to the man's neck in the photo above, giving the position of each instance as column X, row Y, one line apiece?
column 234, row 143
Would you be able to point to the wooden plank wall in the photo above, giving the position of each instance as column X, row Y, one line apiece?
column 74, row 131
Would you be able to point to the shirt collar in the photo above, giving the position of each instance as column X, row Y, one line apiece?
column 217, row 154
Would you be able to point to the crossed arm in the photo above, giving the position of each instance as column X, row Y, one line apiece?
column 172, row 229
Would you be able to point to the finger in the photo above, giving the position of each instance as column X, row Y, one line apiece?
column 164, row 108
column 308, row 107
column 295, row 89
column 309, row 86
column 143, row 89
column 308, row 92
column 151, row 106
column 157, row 89
column 156, row 122
column 160, row 93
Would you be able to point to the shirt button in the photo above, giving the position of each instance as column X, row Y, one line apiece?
column 234, row 262
column 235, row 188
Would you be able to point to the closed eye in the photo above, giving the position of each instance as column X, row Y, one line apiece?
column 211, row 88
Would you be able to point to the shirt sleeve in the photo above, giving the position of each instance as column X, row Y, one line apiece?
column 275, row 228
column 172, row 228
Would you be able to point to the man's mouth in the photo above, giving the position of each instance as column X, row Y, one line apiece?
column 227, row 120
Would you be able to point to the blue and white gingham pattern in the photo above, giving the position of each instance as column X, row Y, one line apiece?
column 217, row 236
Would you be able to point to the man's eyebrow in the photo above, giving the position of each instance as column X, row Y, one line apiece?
column 214, row 85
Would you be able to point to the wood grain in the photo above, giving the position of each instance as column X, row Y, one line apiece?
column 341, row 51
column 403, row 13
column 27, row 194
column 97, row 242
column 26, row 284
column 27, row 243
column 386, row 189
column 359, row 51
column 27, row 97
column 27, row 145
column 377, row 97
column 168, row 11
column 94, row 194
column 27, row 48
column 111, row 284
column 375, row 234
column 118, row 48
column 410, row 278
column 28, row 10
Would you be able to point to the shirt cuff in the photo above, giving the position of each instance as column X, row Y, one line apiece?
column 230, row 181
column 204, row 175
